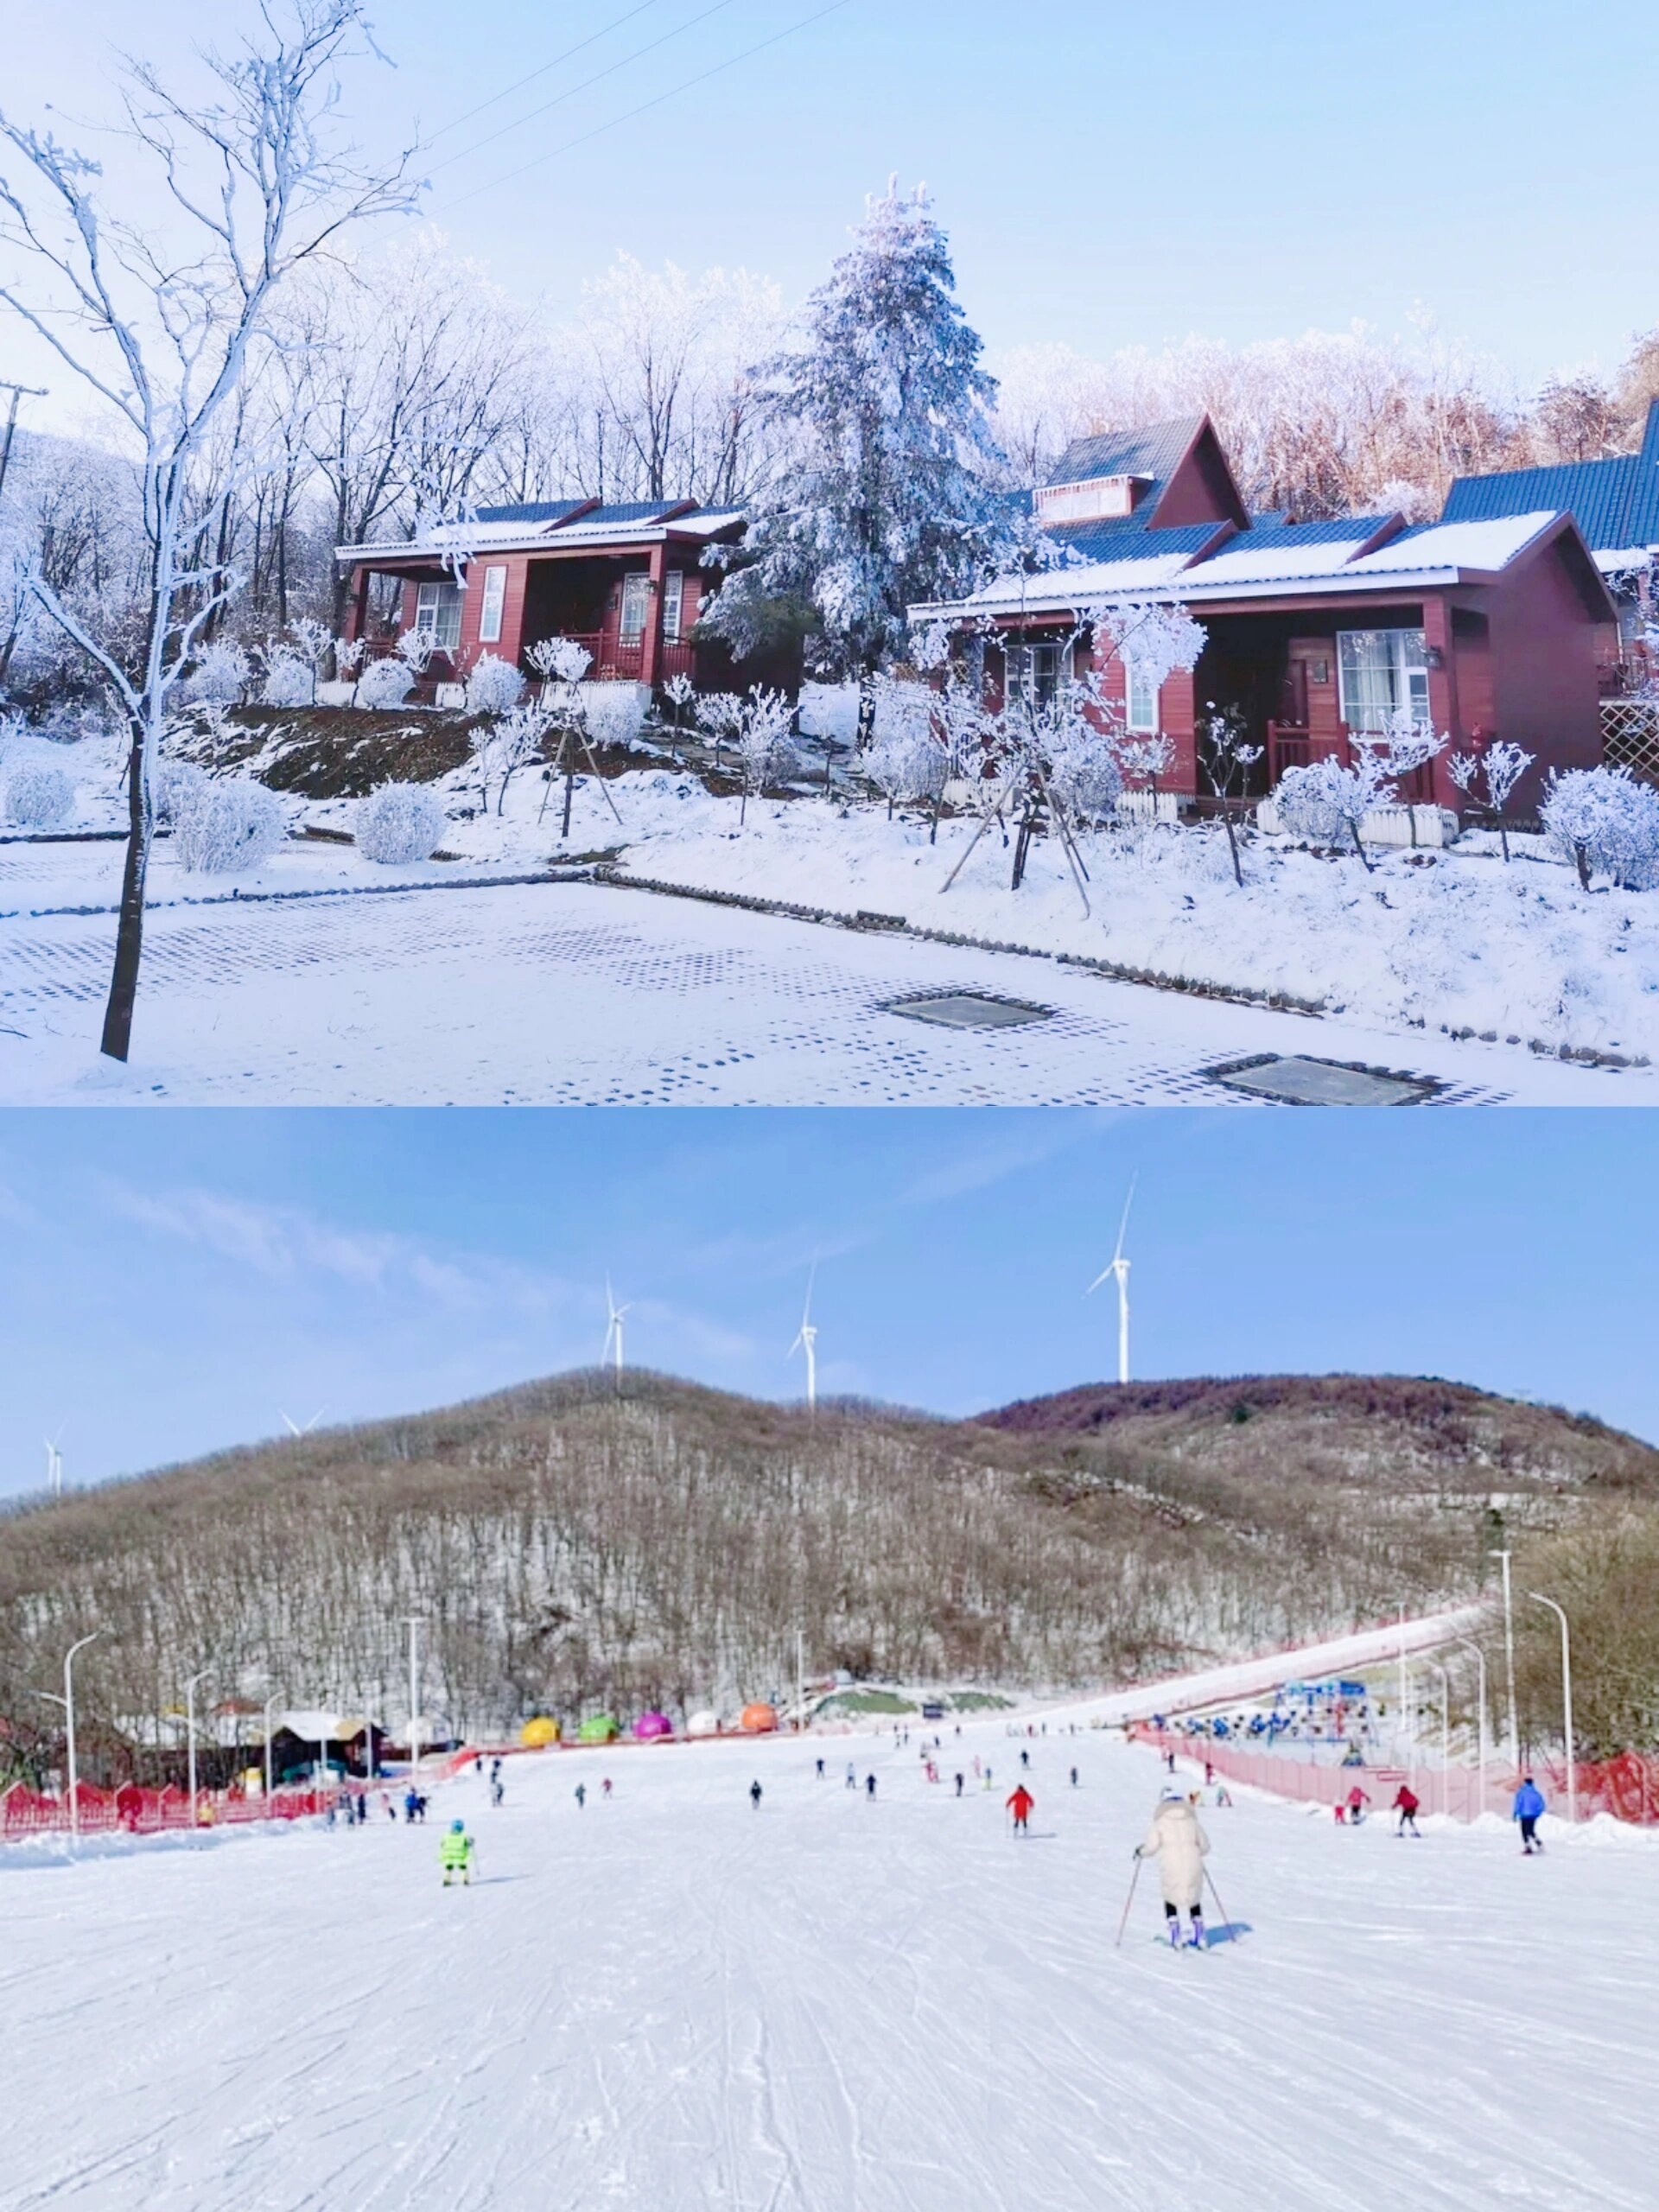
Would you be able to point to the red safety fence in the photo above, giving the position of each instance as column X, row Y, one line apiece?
column 130, row 1810
column 1627, row 1787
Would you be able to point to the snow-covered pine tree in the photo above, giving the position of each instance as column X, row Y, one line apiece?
column 890, row 498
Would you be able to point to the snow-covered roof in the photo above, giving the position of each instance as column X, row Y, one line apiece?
column 527, row 529
column 1326, row 560
column 314, row 1726
column 1491, row 544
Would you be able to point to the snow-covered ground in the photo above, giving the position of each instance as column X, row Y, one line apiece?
column 672, row 2000
column 553, row 994
column 1431, row 942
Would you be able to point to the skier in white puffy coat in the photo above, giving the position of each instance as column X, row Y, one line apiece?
column 1179, row 1844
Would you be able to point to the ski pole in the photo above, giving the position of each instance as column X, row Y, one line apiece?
column 1127, row 1902
column 1225, row 1921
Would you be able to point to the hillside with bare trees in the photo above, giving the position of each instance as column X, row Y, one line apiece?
column 570, row 1548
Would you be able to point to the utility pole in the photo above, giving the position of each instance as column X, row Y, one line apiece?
column 1480, row 1724
column 18, row 391
column 1538, row 1598
column 190, row 1729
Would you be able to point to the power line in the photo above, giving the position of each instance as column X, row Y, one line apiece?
column 558, row 100
column 672, row 92
column 518, row 83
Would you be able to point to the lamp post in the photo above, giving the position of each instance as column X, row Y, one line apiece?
column 1509, row 1660
column 1539, row 1599
column 1446, row 1735
column 68, row 1702
column 270, row 1786
column 200, row 1675
column 1480, row 1720
column 414, row 1622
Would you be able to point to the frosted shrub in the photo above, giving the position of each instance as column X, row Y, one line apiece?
column 172, row 787
column 1324, row 801
column 220, row 675
column 400, row 823
column 494, row 687
column 720, row 717
column 614, row 713
column 1084, row 772
column 1605, row 822
column 39, row 797
column 289, row 679
column 385, row 683
column 224, row 826
column 561, row 660
column 763, row 747
column 906, row 758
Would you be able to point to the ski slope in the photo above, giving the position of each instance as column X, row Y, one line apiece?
column 672, row 2000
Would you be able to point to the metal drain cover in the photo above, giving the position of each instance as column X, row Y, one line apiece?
column 1295, row 1081
column 967, row 1010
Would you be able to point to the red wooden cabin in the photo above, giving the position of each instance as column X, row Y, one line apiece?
column 1317, row 632
column 626, row 581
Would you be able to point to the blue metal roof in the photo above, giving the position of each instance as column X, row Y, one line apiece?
column 1126, row 537
column 530, row 511
column 1151, row 451
column 629, row 512
column 1614, row 503
column 1268, row 530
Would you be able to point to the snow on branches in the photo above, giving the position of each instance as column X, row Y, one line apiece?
column 1487, row 777
column 1606, row 822
column 399, row 824
column 221, row 825
column 1323, row 800
column 494, row 685
column 39, row 797
column 907, row 759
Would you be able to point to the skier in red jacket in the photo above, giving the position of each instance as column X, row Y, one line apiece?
column 1020, row 1804
column 1406, row 1805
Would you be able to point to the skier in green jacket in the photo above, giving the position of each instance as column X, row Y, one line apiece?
column 455, row 1852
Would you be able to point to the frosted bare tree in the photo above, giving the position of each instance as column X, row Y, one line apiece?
column 161, row 328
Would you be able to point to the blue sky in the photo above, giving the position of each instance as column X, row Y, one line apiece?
column 1112, row 175
column 170, row 1280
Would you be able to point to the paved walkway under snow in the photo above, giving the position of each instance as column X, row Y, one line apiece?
column 672, row 2003
column 565, row 995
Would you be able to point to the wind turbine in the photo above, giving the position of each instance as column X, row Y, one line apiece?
column 1118, row 1269
column 53, row 1465
column 614, row 1331
column 293, row 1426
column 806, row 1340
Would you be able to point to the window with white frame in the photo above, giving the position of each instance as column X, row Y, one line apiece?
column 1381, row 675
column 1140, row 700
column 491, row 604
column 673, row 605
column 438, row 615
column 1035, row 671
column 636, row 605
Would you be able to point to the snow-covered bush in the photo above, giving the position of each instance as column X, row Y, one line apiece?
column 1324, row 802
column 559, row 660
column 1606, row 823
column 398, row 824
column 1143, row 759
column 385, row 682
column 220, row 675
column 762, row 744
column 289, row 679
column 494, row 687
column 39, row 797
column 1083, row 770
column 907, row 758
column 1488, row 777
column 505, row 743
column 226, row 825
column 171, row 788
column 720, row 717
column 614, row 713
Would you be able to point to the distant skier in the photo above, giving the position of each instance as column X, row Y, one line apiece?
column 581, row 1796
column 1074, row 1778
column 1406, row 1803
column 852, row 1779
column 605, row 1786
column 820, row 1770
column 1180, row 1845
column 958, row 1785
column 1528, row 1809
column 455, row 1854
column 1357, row 1801
column 1025, row 1758
column 1020, row 1803
column 411, row 1800
column 498, row 1790
column 754, row 1796
column 869, row 1787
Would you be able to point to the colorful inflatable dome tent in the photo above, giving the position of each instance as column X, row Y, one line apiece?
column 704, row 1724
column 601, row 1729
column 537, row 1733
column 651, row 1727
column 758, row 1719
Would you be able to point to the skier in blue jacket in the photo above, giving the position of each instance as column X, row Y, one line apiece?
column 1528, row 1810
